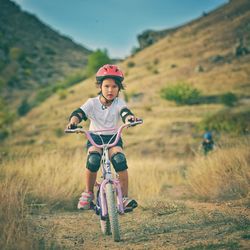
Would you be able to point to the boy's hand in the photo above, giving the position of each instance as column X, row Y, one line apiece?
column 131, row 119
column 72, row 126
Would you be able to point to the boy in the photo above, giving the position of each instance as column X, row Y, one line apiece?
column 105, row 111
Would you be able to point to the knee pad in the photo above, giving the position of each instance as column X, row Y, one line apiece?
column 119, row 162
column 93, row 161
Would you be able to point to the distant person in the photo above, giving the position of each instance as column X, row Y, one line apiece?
column 105, row 111
column 207, row 143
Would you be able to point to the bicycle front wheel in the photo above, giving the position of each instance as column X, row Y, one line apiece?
column 113, row 213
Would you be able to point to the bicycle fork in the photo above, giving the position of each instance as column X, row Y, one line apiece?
column 117, row 188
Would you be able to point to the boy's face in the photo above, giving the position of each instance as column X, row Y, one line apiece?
column 109, row 89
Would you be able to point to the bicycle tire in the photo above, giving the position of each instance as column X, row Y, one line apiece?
column 105, row 226
column 113, row 213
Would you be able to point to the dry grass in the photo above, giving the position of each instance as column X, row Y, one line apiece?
column 13, row 221
column 149, row 177
column 225, row 174
column 49, row 180
column 53, row 178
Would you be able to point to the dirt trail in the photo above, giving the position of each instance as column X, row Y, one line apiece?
column 166, row 224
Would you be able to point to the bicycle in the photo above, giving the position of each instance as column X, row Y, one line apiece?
column 109, row 201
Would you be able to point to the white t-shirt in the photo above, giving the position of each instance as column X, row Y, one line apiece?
column 103, row 117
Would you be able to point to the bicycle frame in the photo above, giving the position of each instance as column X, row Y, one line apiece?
column 108, row 178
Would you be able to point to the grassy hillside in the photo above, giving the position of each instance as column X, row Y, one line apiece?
column 33, row 55
column 202, row 54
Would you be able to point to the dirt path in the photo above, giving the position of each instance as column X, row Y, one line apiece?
column 165, row 225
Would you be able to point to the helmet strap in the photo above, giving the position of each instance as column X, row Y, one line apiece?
column 107, row 102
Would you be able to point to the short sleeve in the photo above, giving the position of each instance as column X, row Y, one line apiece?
column 87, row 107
column 121, row 104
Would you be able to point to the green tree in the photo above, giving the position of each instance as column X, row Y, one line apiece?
column 96, row 60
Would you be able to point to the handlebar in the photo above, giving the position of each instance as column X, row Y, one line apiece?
column 118, row 133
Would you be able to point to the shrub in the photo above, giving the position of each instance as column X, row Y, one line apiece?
column 58, row 132
column 131, row 64
column 227, row 121
column 180, row 93
column 62, row 93
column 24, row 108
column 156, row 61
column 229, row 99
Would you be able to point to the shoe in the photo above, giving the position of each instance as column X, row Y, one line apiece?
column 129, row 204
column 86, row 201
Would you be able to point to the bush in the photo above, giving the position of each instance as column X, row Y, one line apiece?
column 227, row 121
column 58, row 132
column 62, row 93
column 180, row 93
column 24, row 108
column 229, row 99
column 130, row 64
column 156, row 61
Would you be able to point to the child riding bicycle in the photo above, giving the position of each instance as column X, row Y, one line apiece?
column 207, row 144
column 105, row 111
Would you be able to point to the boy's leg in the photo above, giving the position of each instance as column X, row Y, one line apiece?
column 91, row 172
column 123, row 174
column 90, row 179
column 123, row 178
column 120, row 164
column 93, row 164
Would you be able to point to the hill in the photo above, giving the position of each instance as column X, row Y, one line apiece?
column 33, row 55
column 210, row 55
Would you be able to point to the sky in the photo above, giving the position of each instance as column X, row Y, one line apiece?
column 115, row 24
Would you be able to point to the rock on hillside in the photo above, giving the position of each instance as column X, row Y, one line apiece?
column 32, row 55
column 150, row 37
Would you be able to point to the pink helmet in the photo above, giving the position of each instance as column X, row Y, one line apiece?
column 109, row 71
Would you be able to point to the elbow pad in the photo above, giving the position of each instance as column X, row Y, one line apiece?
column 79, row 113
column 124, row 113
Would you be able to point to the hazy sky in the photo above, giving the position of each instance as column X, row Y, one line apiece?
column 115, row 24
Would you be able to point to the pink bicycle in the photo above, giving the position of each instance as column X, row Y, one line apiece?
column 109, row 195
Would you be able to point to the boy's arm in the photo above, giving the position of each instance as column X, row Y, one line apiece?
column 76, row 117
column 126, row 115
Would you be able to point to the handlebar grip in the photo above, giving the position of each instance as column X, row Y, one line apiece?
column 135, row 122
column 69, row 131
